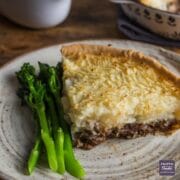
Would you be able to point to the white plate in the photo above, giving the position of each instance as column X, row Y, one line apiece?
column 116, row 159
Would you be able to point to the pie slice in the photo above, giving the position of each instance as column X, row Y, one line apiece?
column 112, row 93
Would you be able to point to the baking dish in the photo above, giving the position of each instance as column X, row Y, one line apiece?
column 161, row 22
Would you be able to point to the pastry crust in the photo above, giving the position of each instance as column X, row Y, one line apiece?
column 77, row 51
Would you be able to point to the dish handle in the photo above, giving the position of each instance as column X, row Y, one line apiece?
column 124, row 1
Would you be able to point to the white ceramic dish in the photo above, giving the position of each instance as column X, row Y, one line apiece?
column 36, row 13
column 116, row 159
column 160, row 22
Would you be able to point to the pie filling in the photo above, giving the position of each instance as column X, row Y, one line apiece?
column 87, row 139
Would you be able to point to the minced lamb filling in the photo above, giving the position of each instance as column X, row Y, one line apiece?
column 86, row 139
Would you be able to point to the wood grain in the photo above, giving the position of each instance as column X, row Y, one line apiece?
column 89, row 19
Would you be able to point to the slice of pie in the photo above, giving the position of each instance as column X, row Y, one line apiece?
column 112, row 93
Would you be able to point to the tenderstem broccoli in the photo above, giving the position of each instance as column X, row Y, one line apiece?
column 42, row 93
column 34, row 155
column 58, row 134
column 33, row 94
column 54, row 84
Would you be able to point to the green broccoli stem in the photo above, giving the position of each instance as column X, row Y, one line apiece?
column 47, row 139
column 40, row 110
column 33, row 92
column 36, row 150
column 49, row 75
column 50, row 149
column 59, row 141
column 48, row 117
column 34, row 155
column 57, row 133
column 71, row 164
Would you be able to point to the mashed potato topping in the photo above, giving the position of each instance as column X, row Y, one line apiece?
column 166, row 5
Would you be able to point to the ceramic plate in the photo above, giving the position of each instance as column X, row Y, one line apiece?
column 115, row 159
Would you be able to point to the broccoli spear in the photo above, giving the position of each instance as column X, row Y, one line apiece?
column 50, row 75
column 57, row 134
column 22, row 93
column 34, row 155
column 33, row 94
column 56, row 129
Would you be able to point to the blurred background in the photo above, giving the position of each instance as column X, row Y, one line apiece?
column 88, row 19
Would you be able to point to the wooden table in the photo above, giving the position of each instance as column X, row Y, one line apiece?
column 89, row 19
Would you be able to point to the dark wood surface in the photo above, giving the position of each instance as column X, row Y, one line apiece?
column 89, row 19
